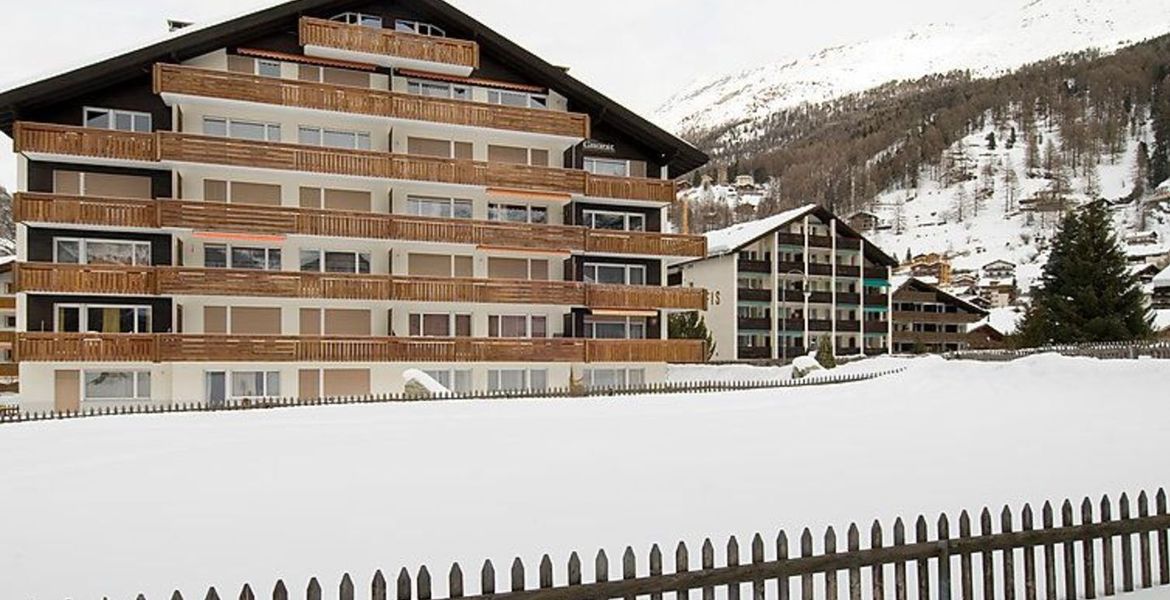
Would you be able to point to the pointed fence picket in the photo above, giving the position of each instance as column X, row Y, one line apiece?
column 1078, row 561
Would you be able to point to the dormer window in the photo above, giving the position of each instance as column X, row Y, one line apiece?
column 418, row 27
column 362, row 19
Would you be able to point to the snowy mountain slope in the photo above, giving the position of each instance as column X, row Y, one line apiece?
column 1034, row 30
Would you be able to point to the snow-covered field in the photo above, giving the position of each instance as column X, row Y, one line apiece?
column 117, row 506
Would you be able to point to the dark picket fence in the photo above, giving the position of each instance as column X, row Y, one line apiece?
column 1090, row 552
column 15, row 416
column 1111, row 350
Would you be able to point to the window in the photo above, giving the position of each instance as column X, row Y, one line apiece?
column 516, row 380
column 517, row 326
column 244, row 130
column 437, row 89
column 117, row 386
column 617, row 221
column 418, row 27
column 244, row 384
column 615, row 274
column 517, row 213
column 614, row 378
column 84, row 318
column 82, row 251
column 268, row 68
column 615, row 328
column 327, row 261
column 607, row 166
column 222, row 256
column 333, row 138
column 520, row 99
column 120, row 120
column 446, row 208
column 440, row 325
column 356, row 18
column 456, row 380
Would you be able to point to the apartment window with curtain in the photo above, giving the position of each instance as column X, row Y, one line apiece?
column 607, row 166
column 328, row 261
column 615, row 328
column 615, row 274
column 517, row 213
column 235, row 385
column 440, row 325
column 614, row 220
column 223, row 256
column 86, row 251
column 517, row 326
column 87, row 318
column 445, row 208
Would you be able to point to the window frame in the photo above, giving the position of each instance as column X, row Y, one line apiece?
column 627, row 324
column 268, row 126
column 359, row 19
column 321, row 132
column 452, row 324
column 597, row 159
column 453, row 377
column 455, row 91
column 229, row 257
column 83, row 316
column 83, row 250
column 139, row 377
column 112, row 114
column 529, row 326
column 418, row 27
column 531, row 99
column 414, row 200
column 527, row 385
column 628, row 270
column 502, row 208
column 322, row 255
column 590, row 215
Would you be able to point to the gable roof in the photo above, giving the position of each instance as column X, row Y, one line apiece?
column 732, row 239
column 1162, row 279
column 902, row 281
column 193, row 41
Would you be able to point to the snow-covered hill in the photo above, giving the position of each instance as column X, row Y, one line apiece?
column 1032, row 31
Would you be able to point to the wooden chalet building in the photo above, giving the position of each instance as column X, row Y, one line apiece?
column 310, row 199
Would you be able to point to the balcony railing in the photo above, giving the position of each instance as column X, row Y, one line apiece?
column 150, row 281
column 189, row 148
column 190, row 81
column 249, row 218
column 387, row 42
column 162, row 348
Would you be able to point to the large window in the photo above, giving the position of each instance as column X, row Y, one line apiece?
column 615, row 274
column 120, row 120
column 243, row 384
column 117, row 386
column 607, row 166
column 333, row 138
column 357, row 18
column 615, row 328
column 614, row 378
column 437, row 89
column 327, row 261
column 222, row 256
column 456, row 380
column 517, row 326
column 519, row 99
column 447, row 208
column 617, row 221
column 418, row 27
column 508, row 380
column 85, row 318
column 517, row 213
column 82, row 251
column 245, row 130
column 440, row 325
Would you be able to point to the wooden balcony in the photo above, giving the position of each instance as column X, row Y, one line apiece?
column 190, row 81
column 9, row 370
column 8, row 302
column 389, row 43
column 955, row 318
column 247, row 218
column 190, row 281
column 156, row 348
column 172, row 147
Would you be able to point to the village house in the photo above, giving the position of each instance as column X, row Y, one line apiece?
column 864, row 221
column 932, row 265
column 927, row 319
column 999, row 269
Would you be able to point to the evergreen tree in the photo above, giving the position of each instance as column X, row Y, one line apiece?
column 1011, row 141
column 991, row 141
column 1087, row 293
column 1159, row 166
column 824, row 355
column 691, row 326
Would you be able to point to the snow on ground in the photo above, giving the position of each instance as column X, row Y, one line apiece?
column 122, row 505
column 730, row 373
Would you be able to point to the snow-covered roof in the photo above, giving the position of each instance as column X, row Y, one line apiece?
column 1004, row 320
column 725, row 241
column 1147, row 250
column 900, row 281
column 999, row 262
column 1162, row 279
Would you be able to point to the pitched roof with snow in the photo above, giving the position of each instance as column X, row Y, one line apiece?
column 726, row 241
column 1162, row 279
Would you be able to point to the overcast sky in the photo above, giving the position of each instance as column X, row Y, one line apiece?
column 638, row 52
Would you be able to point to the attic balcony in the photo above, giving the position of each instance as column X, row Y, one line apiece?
column 387, row 47
column 152, row 281
column 56, row 209
column 171, row 348
column 119, row 147
column 174, row 81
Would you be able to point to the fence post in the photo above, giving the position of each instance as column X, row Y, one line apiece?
column 966, row 581
column 279, row 591
column 313, row 592
column 783, row 589
column 900, row 566
column 629, row 567
column 655, row 568
column 708, row 563
column 1070, row 565
column 1049, row 555
column 944, row 558
column 454, row 582
column 1089, row 555
column 345, row 590
column 1027, row 524
column 1163, row 541
column 1107, row 574
column 403, row 585
column 487, row 579
column 1126, row 547
column 853, row 544
column 574, row 569
column 681, row 565
column 378, row 586
column 423, row 583
column 988, row 557
column 922, row 568
column 1144, row 541
column 733, row 561
column 546, row 572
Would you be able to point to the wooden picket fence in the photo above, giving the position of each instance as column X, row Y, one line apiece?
column 1111, row 350
column 565, row 392
column 1089, row 553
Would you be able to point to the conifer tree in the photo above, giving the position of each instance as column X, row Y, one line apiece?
column 691, row 326
column 1159, row 167
column 1087, row 293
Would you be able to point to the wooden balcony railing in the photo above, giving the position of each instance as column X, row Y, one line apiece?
column 248, row 218
column 190, row 81
column 190, row 148
column 387, row 42
column 84, row 347
column 9, row 370
column 190, row 281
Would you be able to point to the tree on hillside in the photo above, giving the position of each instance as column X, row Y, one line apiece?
column 691, row 326
column 1087, row 293
column 1032, row 154
column 991, row 141
column 1011, row 186
column 1159, row 167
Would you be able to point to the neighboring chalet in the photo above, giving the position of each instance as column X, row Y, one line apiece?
column 929, row 320
column 999, row 269
column 986, row 337
column 782, row 285
column 999, row 293
column 1160, row 298
column 311, row 199
column 932, row 265
column 864, row 221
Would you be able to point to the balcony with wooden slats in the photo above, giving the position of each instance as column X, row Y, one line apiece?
column 179, row 348
column 172, row 147
column 191, row 281
column 281, row 220
column 387, row 47
column 205, row 83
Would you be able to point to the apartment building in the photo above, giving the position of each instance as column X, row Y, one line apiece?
column 929, row 320
column 308, row 200
column 782, row 285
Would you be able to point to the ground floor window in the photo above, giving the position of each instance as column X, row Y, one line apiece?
column 512, row 380
column 614, row 378
column 456, row 380
column 234, row 385
column 117, row 385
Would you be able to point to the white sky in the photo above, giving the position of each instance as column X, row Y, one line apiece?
column 638, row 52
